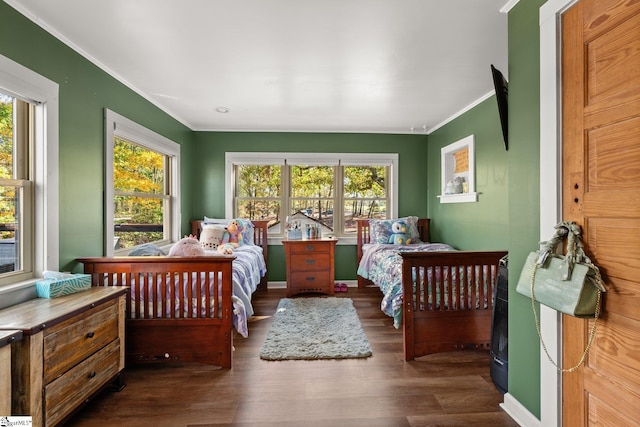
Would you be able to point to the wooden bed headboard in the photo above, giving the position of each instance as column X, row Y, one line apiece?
column 364, row 235
column 259, row 238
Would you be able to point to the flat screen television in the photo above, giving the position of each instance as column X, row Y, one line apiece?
column 502, row 93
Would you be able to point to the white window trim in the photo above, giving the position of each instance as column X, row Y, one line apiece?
column 19, row 80
column 134, row 132
column 281, row 158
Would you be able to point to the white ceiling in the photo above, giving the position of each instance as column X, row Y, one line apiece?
column 383, row 66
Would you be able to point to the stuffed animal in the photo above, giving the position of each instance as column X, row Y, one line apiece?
column 187, row 246
column 232, row 238
column 400, row 233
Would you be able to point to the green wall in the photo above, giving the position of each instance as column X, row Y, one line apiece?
column 524, row 200
column 208, row 191
column 84, row 92
column 483, row 224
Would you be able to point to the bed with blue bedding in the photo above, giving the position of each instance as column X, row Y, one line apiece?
column 442, row 298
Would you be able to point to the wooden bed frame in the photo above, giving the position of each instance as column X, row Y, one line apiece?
column 204, row 334
column 435, row 328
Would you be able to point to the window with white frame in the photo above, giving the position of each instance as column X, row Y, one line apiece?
column 332, row 190
column 142, row 176
column 28, row 174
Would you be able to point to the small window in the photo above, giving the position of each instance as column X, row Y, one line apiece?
column 141, row 200
column 458, row 184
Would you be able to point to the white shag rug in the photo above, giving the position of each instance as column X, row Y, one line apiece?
column 315, row 328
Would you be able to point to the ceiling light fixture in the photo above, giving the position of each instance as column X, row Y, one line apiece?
column 223, row 110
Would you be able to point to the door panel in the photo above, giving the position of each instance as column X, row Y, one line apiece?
column 601, row 192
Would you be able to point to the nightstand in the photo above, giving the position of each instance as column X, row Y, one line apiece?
column 310, row 266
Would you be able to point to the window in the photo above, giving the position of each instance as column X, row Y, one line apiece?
column 332, row 190
column 28, row 175
column 458, row 172
column 141, row 200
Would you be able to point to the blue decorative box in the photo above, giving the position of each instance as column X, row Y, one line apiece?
column 294, row 234
column 53, row 288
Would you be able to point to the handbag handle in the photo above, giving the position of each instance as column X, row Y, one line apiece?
column 574, row 254
column 592, row 333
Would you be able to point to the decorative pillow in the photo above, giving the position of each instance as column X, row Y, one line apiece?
column 211, row 236
column 247, row 234
column 380, row 229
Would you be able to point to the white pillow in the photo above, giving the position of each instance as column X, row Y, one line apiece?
column 211, row 236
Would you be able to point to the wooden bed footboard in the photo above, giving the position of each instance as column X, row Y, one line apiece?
column 448, row 300
column 180, row 308
column 259, row 238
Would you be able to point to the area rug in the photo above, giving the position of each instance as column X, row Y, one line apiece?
column 315, row 328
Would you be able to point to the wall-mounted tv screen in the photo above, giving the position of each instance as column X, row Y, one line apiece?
column 502, row 92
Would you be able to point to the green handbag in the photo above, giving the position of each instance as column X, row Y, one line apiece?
column 568, row 283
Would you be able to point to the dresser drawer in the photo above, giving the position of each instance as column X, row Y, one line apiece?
column 310, row 279
column 308, row 247
column 65, row 393
column 310, row 262
column 73, row 340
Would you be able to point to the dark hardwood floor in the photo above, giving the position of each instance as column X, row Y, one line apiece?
column 451, row 389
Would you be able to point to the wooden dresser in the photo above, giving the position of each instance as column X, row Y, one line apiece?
column 72, row 347
column 310, row 265
column 6, row 339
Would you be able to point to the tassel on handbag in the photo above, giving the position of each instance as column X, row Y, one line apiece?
column 568, row 283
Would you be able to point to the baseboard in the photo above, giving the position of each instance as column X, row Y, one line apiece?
column 518, row 412
column 276, row 285
column 283, row 284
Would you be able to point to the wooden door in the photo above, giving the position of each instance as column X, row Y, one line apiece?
column 601, row 192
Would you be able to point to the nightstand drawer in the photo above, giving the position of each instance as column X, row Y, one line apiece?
column 310, row 262
column 310, row 247
column 310, row 279
column 71, row 341
column 64, row 394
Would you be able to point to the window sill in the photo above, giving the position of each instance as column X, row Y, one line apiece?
column 18, row 292
column 277, row 241
column 459, row 198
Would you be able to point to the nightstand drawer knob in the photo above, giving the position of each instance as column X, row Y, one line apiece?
column 91, row 334
column 311, row 279
column 310, row 261
column 91, row 374
column 310, row 247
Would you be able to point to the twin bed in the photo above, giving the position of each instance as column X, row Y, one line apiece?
column 185, row 308
column 441, row 298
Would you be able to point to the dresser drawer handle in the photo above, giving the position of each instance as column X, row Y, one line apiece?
column 310, row 247
column 91, row 374
column 91, row 334
column 311, row 279
column 310, row 261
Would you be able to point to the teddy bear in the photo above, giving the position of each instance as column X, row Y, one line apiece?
column 399, row 233
column 187, row 246
column 232, row 237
